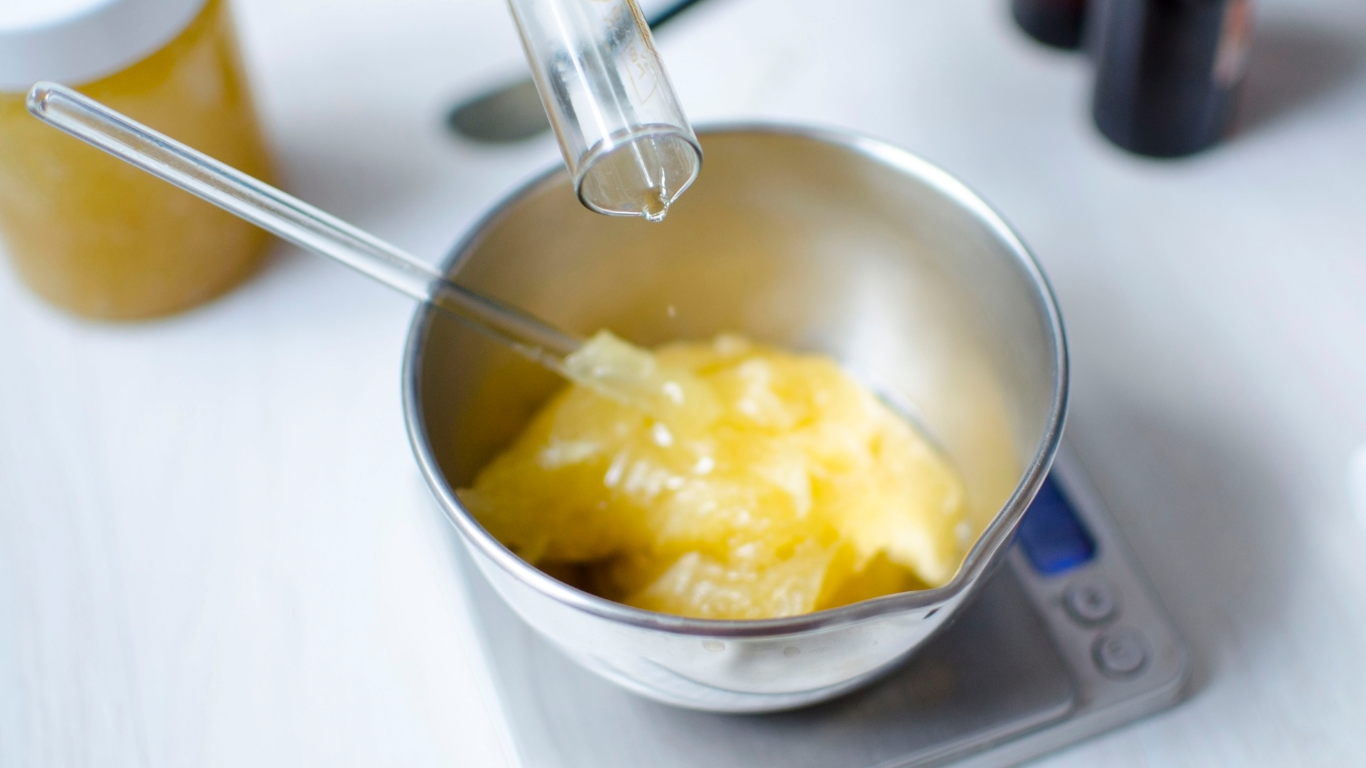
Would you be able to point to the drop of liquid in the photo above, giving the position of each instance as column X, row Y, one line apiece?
column 654, row 205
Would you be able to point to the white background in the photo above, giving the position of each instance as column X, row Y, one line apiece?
column 214, row 548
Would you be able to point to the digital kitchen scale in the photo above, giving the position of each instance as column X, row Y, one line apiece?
column 1066, row 640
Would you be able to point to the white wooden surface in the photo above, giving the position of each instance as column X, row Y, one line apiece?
column 214, row 549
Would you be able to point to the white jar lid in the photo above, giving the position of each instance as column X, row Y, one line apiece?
column 77, row 41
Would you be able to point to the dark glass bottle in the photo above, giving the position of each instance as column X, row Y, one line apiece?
column 1167, row 71
column 1053, row 22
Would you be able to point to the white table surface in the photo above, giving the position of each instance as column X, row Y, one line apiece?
column 214, row 548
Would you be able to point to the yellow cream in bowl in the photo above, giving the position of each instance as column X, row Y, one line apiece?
column 746, row 482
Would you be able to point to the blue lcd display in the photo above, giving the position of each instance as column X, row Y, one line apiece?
column 1050, row 534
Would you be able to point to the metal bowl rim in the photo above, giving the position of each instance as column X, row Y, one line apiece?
column 979, row 559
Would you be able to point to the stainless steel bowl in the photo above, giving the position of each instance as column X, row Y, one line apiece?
column 806, row 239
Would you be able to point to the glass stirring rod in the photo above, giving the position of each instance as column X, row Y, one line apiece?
column 298, row 222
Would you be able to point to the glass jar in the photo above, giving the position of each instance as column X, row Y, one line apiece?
column 90, row 233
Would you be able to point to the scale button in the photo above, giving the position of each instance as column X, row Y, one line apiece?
column 1121, row 653
column 1090, row 602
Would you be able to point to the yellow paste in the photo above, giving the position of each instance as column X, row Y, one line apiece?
column 733, row 481
column 103, row 239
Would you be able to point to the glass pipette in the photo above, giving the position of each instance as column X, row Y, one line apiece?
column 628, row 147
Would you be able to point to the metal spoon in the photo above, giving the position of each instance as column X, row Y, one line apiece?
column 513, row 112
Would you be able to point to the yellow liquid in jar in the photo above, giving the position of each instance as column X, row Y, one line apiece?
column 748, row 483
column 103, row 239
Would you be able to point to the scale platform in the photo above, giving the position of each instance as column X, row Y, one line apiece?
column 1065, row 641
